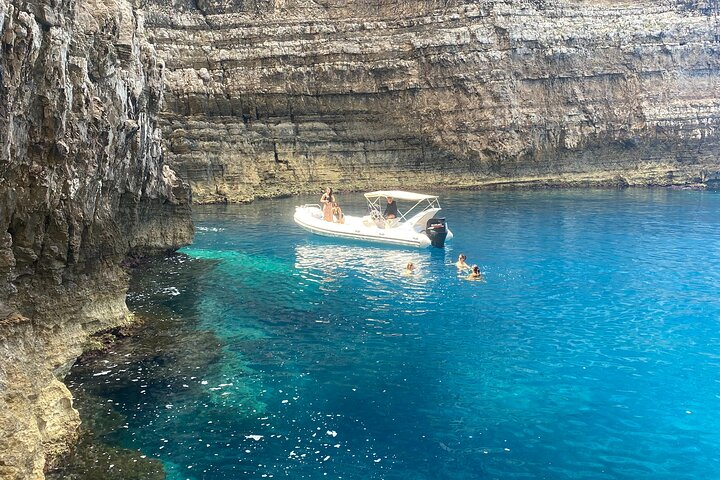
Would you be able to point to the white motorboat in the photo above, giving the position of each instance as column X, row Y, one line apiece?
column 415, row 227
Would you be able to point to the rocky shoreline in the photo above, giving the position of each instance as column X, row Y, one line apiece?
column 159, row 348
column 82, row 185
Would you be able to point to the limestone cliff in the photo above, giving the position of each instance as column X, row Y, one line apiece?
column 82, row 184
column 271, row 97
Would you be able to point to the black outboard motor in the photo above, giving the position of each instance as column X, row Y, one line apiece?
column 436, row 232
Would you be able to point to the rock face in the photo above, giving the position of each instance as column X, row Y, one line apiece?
column 82, row 185
column 273, row 97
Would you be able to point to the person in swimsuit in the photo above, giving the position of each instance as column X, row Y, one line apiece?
column 476, row 274
column 409, row 269
column 461, row 265
column 338, row 216
column 327, row 201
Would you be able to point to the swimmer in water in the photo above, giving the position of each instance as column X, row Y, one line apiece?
column 475, row 274
column 461, row 265
column 409, row 269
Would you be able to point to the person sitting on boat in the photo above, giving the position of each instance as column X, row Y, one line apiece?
column 327, row 201
column 475, row 274
column 391, row 210
column 338, row 216
column 461, row 265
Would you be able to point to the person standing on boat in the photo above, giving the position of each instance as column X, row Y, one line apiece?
column 391, row 210
column 327, row 201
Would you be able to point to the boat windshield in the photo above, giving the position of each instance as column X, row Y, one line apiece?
column 420, row 202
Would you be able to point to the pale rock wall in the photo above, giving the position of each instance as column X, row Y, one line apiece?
column 82, row 184
column 270, row 98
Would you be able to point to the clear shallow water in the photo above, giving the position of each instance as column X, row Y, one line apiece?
column 591, row 351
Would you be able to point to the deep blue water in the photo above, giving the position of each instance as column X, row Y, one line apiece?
column 592, row 351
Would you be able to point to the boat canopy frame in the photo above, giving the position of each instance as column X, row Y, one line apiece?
column 426, row 201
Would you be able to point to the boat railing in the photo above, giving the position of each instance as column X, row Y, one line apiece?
column 425, row 203
column 310, row 205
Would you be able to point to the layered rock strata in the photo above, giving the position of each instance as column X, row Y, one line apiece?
column 82, row 185
column 273, row 98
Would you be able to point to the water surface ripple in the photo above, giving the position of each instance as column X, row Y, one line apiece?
column 591, row 351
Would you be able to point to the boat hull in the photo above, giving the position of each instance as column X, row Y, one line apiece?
column 356, row 228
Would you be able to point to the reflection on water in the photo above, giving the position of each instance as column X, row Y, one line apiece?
column 590, row 352
column 378, row 269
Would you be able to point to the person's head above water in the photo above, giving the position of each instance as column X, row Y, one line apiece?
column 462, row 257
column 475, row 269
column 410, row 266
column 328, row 191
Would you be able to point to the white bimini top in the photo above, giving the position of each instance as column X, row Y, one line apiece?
column 400, row 195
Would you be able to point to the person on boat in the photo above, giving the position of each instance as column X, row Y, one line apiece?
column 338, row 216
column 327, row 201
column 461, row 265
column 409, row 269
column 475, row 274
column 391, row 210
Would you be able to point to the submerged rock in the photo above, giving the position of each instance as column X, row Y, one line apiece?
column 93, row 459
column 162, row 366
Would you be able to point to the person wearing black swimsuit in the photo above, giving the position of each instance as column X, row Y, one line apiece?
column 391, row 210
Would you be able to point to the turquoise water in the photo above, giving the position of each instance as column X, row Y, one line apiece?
column 591, row 351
